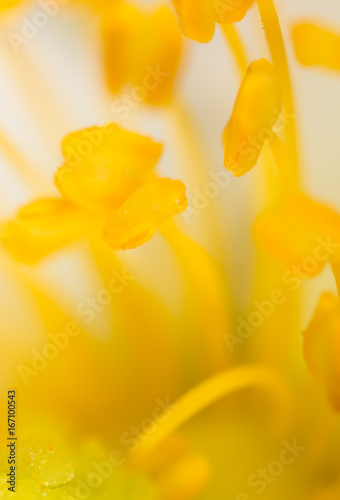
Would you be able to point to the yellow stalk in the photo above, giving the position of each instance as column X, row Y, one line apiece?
column 194, row 158
column 145, row 324
column 47, row 111
column 206, row 299
column 25, row 168
column 335, row 265
column 281, row 158
column 278, row 52
column 217, row 387
column 236, row 46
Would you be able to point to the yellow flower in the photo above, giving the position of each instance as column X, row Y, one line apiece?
column 107, row 181
column 317, row 46
column 321, row 346
column 198, row 17
column 130, row 350
column 143, row 50
column 298, row 230
column 256, row 110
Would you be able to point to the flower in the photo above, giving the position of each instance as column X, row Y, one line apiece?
column 198, row 18
column 256, row 110
column 120, row 363
column 143, row 50
column 317, row 46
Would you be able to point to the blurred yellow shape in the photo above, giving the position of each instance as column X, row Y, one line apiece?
column 101, row 5
column 321, row 346
column 198, row 17
column 330, row 493
column 257, row 108
column 104, row 165
column 317, row 46
column 144, row 50
column 186, row 479
column 7, row 4
column 138, row 218
column 40, row 228
column 211, row 300
column 180, row 474
column 299, row 231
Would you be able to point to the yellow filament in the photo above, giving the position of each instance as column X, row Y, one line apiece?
column 278, row 148
column 46, row 109
column 195, row 158
column 325, row 430
column 277, row 48
column 285, row 156
column 157, row 343
column 218, row 386
column 46, row 113
column 23, row 165
column 209, row 301
column 190, row 141
column 281, row 158
column 234, row 40
column 335, row 265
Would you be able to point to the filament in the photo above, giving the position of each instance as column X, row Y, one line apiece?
column 278, row 52
column 25, row 168
column 236, row 46
column 217, row 387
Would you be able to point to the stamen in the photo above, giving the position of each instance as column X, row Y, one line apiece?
column 215, row 388
column 277, row 48
column 207, row 302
